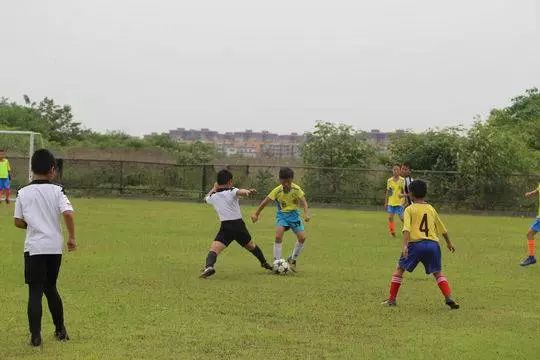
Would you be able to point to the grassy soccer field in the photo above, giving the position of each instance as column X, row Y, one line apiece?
column 132, row 290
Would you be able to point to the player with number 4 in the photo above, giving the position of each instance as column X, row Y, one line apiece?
column 421, row 229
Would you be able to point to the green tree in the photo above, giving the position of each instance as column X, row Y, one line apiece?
column 430, row 150
column 336, row 145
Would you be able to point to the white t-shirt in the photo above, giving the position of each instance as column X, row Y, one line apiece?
column 40, row 205
column 226, row 204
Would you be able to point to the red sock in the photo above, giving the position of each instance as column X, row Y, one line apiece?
column 532, row 247
column 444, row 286
column 391, row 226
column 394, row 286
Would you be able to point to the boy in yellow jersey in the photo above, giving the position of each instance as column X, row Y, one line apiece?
column 535, row 228
column 287, row 198
column 393, row 199
column 5, row 176
column 421, row 226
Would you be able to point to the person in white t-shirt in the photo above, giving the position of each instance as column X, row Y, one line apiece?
column 225, row 199
column 38, row 209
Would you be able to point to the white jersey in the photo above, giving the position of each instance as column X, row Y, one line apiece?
column 226, row 203
column 40, row 205
column 408, row 181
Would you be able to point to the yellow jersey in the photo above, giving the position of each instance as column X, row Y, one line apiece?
column 286, row 202
column 4, row 169
column 395, row 189
column 422, row 221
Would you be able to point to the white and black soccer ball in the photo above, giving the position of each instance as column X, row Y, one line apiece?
column 281, row 267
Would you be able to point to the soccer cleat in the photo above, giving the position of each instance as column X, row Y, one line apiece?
column 528, row 261
column 452, row 304
column 35, row 340
column 389, row 303
column 267, row 266
column 209, row 271
column 61, row 334
column 292, row 263
column 393, row 233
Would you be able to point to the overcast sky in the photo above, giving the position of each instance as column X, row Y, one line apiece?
column 145, row 66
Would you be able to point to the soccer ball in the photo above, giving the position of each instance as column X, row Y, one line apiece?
column 281, row 267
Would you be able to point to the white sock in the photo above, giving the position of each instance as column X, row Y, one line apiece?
column 297, row 250
column 277, row 250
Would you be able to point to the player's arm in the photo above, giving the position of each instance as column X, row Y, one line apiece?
column 307, row 215
column 213, row 190
column 245, row 192
column 262, row 205
column 406, row 239
column 531, row 193
column 386, row 198
column 20, row 223
column 442, row 229
column 70, row 226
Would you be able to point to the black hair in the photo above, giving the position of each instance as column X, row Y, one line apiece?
column 418, row 188
column 43, row 162
column 224, row 176
column 406, row 164
column 286, row 173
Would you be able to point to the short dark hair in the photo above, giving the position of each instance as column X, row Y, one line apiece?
column 406, row 164
column 286, row 173
column 418, row 188
column 43, row 162
column 224, row 176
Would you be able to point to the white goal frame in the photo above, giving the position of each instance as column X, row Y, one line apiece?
column 32, row 135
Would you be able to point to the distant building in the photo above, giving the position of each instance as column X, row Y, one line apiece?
column 381, row 139
column 246, row 143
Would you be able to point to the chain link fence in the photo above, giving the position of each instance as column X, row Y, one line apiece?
column 332, row 186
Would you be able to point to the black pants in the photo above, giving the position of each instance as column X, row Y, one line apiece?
column 41, row 273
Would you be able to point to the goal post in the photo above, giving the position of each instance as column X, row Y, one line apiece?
column 21, row 142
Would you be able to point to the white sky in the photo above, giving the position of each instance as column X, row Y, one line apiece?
column 144, row 66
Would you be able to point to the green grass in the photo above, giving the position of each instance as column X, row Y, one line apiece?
column 131, row 291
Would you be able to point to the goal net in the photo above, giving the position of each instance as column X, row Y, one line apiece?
column 19, row 147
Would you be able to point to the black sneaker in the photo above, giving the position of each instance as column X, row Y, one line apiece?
column 267, row 266
column 209, row 271
column 61, row 334
column 292, row 263
column 35, row 340
column 452, row 304
column 389, row 303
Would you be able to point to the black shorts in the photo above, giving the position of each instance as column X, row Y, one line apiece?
column 233, row 230
column 42, row 269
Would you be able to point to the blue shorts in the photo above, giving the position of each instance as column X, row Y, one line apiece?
column 428, row 252
column 397, row 210
column 5, row 184
column 290, row 220
column 535, row 226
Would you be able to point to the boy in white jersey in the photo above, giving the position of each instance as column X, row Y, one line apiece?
column 225, row 199
column 37, row 210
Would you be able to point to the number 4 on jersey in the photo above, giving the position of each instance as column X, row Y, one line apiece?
column 424, row 225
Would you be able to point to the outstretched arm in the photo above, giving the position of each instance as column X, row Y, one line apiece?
column 531, row 193
column 262, row 205
column 245, row 192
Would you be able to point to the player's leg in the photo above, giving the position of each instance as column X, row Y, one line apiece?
column 215, row 249
column 391, row 223
column 298, row 247
column 8, row 192
column 531, row 258
column 395, row 284
column 280, row 231
column 34, row 272
column 53, row 297
column 257, row 252
column 442, row 282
